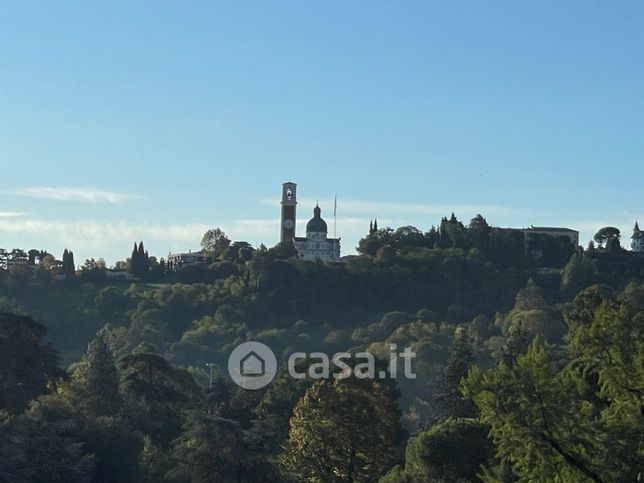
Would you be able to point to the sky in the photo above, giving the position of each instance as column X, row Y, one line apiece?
column 154, row 121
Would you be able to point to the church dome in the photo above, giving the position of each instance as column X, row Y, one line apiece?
column 316, row 224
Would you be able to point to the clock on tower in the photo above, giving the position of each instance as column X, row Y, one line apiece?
column 289, row 202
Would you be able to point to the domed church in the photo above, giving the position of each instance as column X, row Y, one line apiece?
column 316, row 245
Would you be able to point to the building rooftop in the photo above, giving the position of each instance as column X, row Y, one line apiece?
column 551, row 228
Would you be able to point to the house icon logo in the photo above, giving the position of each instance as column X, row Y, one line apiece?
column 252, row 365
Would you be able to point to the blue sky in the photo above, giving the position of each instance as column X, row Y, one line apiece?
column 124, row 121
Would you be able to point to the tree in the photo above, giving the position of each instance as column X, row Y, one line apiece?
column 343, row 430
column 443, row 240
column 516, row 343
column 155, row 394
column 69, row 268
column 449, row 399
column 40, row 451
column 452, row 450
column 478, row 232
column 26, row 363
column 605, row 235
column 578, row 274
column 139, row 262
column 239, row 251
column 555, row 426
column 96, row 381
column 215, row 449
column 33, row 254
column 214, row 243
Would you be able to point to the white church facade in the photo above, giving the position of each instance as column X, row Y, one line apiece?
column 316, row 245
column 637, row 240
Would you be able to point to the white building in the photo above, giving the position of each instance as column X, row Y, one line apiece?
column 637, row 240
column 572, row 235
column 316, row 245
column 178, row 260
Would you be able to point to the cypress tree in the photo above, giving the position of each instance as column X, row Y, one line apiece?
column 69, row 268
column 133, row 265
column 449, row 400
column 72, row 265
column 65, row 260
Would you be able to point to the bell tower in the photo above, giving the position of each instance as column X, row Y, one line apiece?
column 289, row 202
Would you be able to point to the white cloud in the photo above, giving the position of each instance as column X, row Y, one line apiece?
column 61, row 193
column 93, row 234
column 377, row 208
column 10, row 214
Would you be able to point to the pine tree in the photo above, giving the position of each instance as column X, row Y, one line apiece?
column 215, row 449
column 449, row 399
column 96, row 380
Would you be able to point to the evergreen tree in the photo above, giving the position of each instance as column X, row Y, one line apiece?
column 27, row 365
column 479, row 232
column 71, row 267
column 33, row 450
column 516, row 343
column 96, row 380
column 139, row 263
column 217, row 450
column 156, row 394
column 581, row 423
column 452, row 450
column 450, row 401
column 443, row 240
column 68, row 266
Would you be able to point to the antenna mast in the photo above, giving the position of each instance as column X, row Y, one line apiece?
column 335, row 222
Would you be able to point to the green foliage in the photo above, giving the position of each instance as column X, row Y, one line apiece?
column 139, row 261
column 217, row 450
column 34, row 450
column 68, row 266
column 450, row 451
column 345, row 430
column 95, row 381
column 449, row 400
column 605, row 235
column 26, row 363
column 155, row 394
column 579, row 423
column 579, row 272
column 456, row 295
column 116, row 450
column 215, row 243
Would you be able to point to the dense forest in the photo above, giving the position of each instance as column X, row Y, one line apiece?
column 529, row 363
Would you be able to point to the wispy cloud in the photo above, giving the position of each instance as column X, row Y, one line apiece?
column 10, row 214
column 98, row 239
column 378, row 208
column 86, row 194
